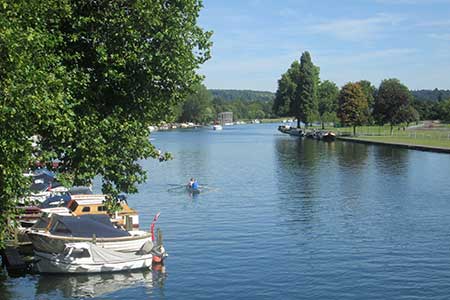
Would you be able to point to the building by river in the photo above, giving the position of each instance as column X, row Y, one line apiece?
column 225, row 117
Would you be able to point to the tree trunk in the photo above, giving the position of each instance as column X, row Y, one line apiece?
column 354, row 130
column 323, row 125
column 298, row 122
column 392, row 129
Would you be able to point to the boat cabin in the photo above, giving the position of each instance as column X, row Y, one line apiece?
column 95, row 204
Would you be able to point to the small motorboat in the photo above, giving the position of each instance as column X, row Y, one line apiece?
column 91, row 258
column 217, row 127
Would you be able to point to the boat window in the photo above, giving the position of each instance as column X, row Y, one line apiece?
column 86, row 209
column 61, row 228
column 73, row 206
column 101, row 208
column 80, row 253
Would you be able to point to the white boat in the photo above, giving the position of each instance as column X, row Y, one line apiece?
column 217, row 127
column 92, row 258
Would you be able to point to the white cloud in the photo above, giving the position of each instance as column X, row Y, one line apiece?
column 356, row 29
column 440, row 36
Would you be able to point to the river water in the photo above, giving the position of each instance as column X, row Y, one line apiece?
column 281, row 218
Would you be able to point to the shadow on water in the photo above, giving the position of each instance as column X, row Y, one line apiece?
column 4, row 291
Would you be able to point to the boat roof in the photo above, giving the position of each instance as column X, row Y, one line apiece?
column 88, row 199
column 85, row 226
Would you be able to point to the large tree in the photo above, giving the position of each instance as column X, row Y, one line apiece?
column 88, row 78
column 369, row 91
column 327, row 94
column 287, row 86
column 304, row 106
column 352, row 105
column 392, row 102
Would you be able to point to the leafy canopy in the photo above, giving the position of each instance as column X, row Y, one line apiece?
column 352, row 105
column 88, row 78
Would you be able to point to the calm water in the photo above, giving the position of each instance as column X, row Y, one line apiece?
column 283, row 219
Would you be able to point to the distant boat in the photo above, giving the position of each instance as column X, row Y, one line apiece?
column 91, row 258
column 217, row 127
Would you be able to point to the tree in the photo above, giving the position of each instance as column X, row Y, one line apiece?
column 445, row 110
column 198, row 107
column 88, row 78
column 369, row 92
column 304, row 106
column 328, row 94
column 285, row 93
column 408, row 114
column 392, row 102
column 352, row 105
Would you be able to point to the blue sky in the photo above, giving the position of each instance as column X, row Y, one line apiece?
column 255, row 41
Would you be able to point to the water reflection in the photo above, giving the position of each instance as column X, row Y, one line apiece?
column 391, row 160
column 298, row 177
column 352, row 155
column 4, row 291
column 96, row 285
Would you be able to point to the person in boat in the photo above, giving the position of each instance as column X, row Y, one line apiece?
column 193, row 184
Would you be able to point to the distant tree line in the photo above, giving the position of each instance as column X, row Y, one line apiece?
column 202, row 106
column 318, row 100
column 301, row 94
column 244, row 95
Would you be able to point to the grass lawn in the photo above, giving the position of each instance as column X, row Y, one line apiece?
column 442, row 143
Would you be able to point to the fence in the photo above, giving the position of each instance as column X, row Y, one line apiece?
column 443, row 135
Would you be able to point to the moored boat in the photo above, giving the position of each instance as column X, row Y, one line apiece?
column 50, row 235
column 217, row 127
column 328, row 136
column 92, row 258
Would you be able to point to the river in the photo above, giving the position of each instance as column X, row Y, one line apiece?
column 281, row 218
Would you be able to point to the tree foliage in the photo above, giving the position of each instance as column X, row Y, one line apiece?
column 352, row 105
column 245, row 95
column 88, row 77
column 327, row 94
column 287, row 86
column 304, row 106
column 444, row 108
column 197, row 107
column 392, row 103
column 369, row 92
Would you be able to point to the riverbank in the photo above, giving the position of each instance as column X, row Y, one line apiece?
column 401, row 142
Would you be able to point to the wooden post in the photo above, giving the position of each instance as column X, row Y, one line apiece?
column 160, row 237
column 128, row 223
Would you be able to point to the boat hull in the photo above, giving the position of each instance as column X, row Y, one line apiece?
column 46, row 242
column 329, row 137
column 49, row 263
